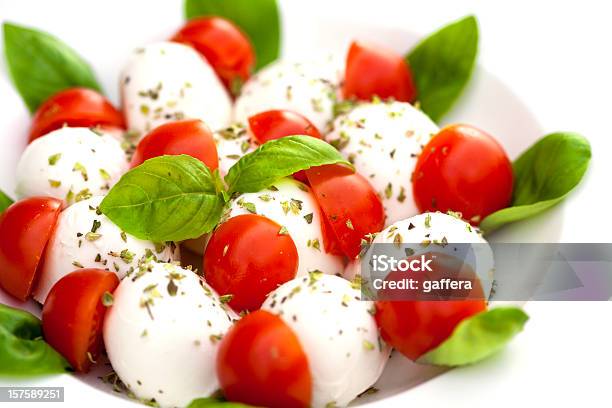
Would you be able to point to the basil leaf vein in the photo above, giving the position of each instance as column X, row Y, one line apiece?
column 478, row 337
column 442, row 65
column 167, row 198
column 23, row 352
column 543, row 176
column 259, row 19
column 41, row 65
column 277, row 159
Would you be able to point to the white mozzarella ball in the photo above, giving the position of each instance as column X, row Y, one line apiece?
column 439, row 232
column 291, row 204
column 70, row 164
column 162, row 334
column 86, row 238
column 232, row 143
column 309, row 88
column 167, row 81
column 384, row 140
column 337, row 332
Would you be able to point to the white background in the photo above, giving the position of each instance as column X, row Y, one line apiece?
column 555, row 55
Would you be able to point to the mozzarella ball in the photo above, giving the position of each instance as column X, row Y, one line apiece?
column 383, row 141
column 168, row 81
column 309, row 88
column 292, row 205
column 85, row 238
column 162, row 333
column 337, row 332
column 232, row 143
column 439, row 232
column 70, row 164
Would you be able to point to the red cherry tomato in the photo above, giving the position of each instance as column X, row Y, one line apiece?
column 76, row 107
column 415, row 327
column 25, row 228
column 249, row 256
column 330, row 241
column 349, row 203
column 226, row 48
column 463, row 169
column 73, row 314
column 191, row 137
column 375, row 71
column 261, row 362
column 274, row 124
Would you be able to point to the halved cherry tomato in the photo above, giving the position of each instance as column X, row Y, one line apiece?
column 350, row 204
column 372, row 70
column 274, row 124
column 190, row 136
column 260, row 362
column 249, row 256
column 330, row 241
column 226, row 48
column 25, row 229
column 414, row 327
column 76, row 107
column 73, row 314
column 463, row 169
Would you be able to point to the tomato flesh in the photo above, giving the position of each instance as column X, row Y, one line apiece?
column 191, row 137
column 372, row 71
column 247, row 257
column 73, row 314
column 75, row 107
column 226, row 48
column 350, row 204
column 463, row 169
column 25, row 228
column 261, row 363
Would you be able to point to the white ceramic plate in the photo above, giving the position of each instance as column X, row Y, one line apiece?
column 488, row 103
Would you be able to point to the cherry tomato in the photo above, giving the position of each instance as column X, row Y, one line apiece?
column 415, row 327
column 226, row 48
column 274, row 124
column 260, row 362
column 73, row 314
column 375, row 71
column 463, row 169
column 191, row 137
column 249, row 256
column 330, row 241
column 25, row 228
column 76, row 107
column 349, row 203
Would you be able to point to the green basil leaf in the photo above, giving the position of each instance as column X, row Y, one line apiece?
column 42, row 65
column 23, row 352
column 5, row 202
column 259, row 19
column 543, row 176
column 167, row 198
column 442, row 65
column 478, row 337
column 214, row 403
column 277, row 159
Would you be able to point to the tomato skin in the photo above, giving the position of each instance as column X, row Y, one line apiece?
column 375, row 71
column 463, row 169
column 416, row 327
column 75, row 107
column 274, row 124
column 349, row 203
column 226, row 48
column 260, row 362
column 73, row 314
column 25, row 228
column 248, row 258
column 191, row 137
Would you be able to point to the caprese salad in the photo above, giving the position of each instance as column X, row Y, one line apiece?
column 278, row 178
